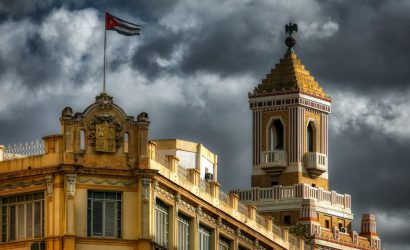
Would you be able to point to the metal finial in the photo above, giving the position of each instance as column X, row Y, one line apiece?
column 290, row 28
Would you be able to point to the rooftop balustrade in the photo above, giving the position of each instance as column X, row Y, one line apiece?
column 330, row 199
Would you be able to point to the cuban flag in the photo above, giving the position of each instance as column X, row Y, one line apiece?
column 121, row 26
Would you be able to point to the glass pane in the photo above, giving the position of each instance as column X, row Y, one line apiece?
column 97, row 213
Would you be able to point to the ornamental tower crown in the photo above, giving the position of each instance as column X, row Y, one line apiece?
column 290, row 124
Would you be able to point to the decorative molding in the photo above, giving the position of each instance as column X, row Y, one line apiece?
column 146, row 182
column 162, row 191
column 108, row 181
column 70, row 180
column 22, row 184
column 49, row 182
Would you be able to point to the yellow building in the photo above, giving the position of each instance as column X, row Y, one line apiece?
column 103, row 185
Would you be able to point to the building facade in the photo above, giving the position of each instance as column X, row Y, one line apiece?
column 102, row 184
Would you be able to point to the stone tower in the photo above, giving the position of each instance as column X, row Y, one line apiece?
column 290, row 127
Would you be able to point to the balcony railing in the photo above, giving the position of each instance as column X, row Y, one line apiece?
column 316, row 163
column 274, row 161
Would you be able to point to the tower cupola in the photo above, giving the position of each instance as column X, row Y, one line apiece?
column 290, row 124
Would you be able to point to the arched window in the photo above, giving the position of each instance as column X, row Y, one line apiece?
column 310, row 136
column 126, row 142
column 276, row 135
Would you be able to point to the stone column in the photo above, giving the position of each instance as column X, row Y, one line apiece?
column 147, row 217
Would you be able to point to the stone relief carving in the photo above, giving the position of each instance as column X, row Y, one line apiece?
column 105, row 133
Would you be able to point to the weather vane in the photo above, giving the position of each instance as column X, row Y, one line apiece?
column 290, row 28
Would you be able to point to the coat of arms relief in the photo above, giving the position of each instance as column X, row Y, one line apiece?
column 105, row 133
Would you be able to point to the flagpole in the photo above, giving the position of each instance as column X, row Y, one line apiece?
column 105, row 47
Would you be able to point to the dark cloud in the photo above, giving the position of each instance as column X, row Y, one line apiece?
column 363, row 52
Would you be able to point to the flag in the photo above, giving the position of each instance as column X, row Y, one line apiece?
column 121, row 26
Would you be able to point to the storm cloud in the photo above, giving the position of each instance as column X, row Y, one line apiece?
column 195, row 62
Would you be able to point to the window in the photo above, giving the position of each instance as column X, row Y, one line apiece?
column 340, row 226
column 161, row 223
column 183, row 233
column 126, row 142
column 310, row 137
column 82, row 139
column 327, row 224
column 287, row 219
column 22, row 217
column 104, row 214
column 204, row 238
column 276, row 135
column 223, row 244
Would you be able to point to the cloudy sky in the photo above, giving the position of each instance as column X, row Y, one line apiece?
column 195, row 62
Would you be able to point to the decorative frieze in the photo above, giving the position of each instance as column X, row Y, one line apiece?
column 14, row 185
column 112, row 182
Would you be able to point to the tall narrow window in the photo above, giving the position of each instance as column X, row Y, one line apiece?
column 82, row 139
column 223, row 243
column 126, row 143
column 276, row 135
column 310, row 137
column 21, row 217
column 204, row 238
column 104, row 214
column 161, row 223
column 183, row 233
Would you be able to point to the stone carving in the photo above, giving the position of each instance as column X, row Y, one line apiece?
column 70, row 178
column 104, row 101
column 49, row 183
column 105, row 133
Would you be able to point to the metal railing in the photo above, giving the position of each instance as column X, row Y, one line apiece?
column 23, row 150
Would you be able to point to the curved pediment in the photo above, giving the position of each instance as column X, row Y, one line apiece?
column 103, row 135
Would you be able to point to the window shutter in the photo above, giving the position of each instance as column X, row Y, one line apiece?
column 109, row 216
column 97, row 217
column 29, row 220
column 12, row 223
column 21, row 222
column 37, row 219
